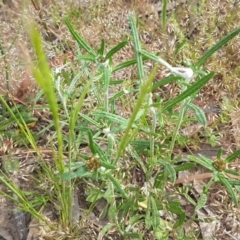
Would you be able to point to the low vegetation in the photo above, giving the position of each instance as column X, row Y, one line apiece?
column 110, row 143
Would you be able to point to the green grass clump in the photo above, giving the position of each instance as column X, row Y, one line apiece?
column 89, row 107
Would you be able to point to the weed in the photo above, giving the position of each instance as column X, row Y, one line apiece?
column 84, row 111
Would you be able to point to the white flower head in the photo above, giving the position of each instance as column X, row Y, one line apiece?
column 186, row 73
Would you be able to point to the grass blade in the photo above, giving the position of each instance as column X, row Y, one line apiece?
column 190, row 90
column 111, row 117
column 184, row 166
column 79, row 40
column 117, row 185
column 42, row 74
column 228, row 186
column 201, row 202
column 137, row 48
column 216, row 47
column 116, row 49
column 165, row 81
column 164, row 14
column 155, row 214
column 145, row 89
column 203, row 162
column 127, row 64
column 200, row 115
column 87, row 58
column 102, row 48
column 233, row 156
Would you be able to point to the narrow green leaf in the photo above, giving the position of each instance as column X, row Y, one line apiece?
column 87, row 58
column 111, row 117
column 137, row 47
column 179, row 47
column 100, row 152
column 95, row 195
column 102, row 48
column 115, row 82
column 127, row 64
column 145, row 89
column 78, row 106
column 233, row 156
column 149, row 55
column 116, row 96
column 205, row 162
column 117, row 185
column 160, row 180
column 175, row 207
column 124, row 65
column 81, row 173
column 216, row 47
column 234, row 182
column 164, row 14
column 80, row 40
column 133, row 153
column 7, row 123
column 105, row 230
column 219, row 154
column 75, row 165
column 96, row 149
column 201, row 201
column 205, row 159
column 228, row 186
column 90, row 120
column 190, row 199
column 73, row 83
column 148, row 220
column 116, row 49
column 190, row 90
column 170, row 172
column 184, row 166
column 133, row 236
column 91, row 143
column 42, row 74
column 233, row 172
column 165, row 81
column 107, row 165
column 200, row 115
column 155, row 214
column 106, row 79
column 140, row 144
column 112, row 211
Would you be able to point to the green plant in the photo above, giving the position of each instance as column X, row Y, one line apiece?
column 220, row 173
column 119, row 144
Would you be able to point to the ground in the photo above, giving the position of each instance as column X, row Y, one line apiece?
column 192, row 28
